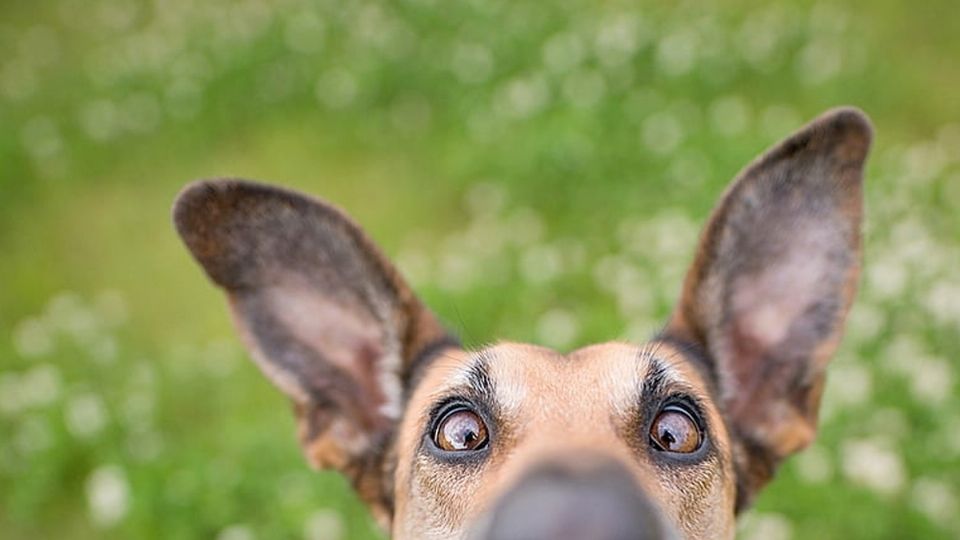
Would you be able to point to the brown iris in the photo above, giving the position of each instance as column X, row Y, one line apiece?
column 675, row 430
column 460, row 430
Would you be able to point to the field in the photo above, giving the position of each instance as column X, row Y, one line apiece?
column 538, row 170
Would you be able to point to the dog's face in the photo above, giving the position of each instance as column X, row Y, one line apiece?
column 614, row 441
column 599, row 443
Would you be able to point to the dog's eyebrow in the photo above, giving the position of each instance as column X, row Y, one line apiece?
column 478, row 380
column 472, row 382
column 473, row 379
column 698, row 357
column 660, row 380
column 655, row 381
column 477, row 376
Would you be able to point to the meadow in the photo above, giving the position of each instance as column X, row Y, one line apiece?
column 538, row 170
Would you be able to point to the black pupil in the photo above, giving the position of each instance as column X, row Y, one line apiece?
column 462, row 431
column 667, row 438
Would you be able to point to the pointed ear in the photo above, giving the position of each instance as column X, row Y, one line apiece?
column 326, row 317
column 771, row 284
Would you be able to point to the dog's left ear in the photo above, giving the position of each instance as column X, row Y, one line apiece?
column 325, row 315
column 771, row 285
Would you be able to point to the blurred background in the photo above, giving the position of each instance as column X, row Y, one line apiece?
column 539, row 170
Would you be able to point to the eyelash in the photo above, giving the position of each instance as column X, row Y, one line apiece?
column 444, row 407
column 688, row 404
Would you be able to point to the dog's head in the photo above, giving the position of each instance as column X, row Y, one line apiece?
column 613, row 441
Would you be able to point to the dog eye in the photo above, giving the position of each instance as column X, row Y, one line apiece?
column 460, row 430
column 675, row 430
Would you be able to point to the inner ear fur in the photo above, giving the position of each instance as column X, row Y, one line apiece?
column 326, row 317
column 771, row 284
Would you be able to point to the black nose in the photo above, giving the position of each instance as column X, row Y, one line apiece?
column 559, row 503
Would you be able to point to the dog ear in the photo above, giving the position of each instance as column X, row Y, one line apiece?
column 325, row 316
column 771, row 284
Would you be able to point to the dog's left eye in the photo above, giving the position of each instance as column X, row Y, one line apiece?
column 460, row 430
column 675, row 430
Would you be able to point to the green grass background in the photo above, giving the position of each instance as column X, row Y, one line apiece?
column 539, row 170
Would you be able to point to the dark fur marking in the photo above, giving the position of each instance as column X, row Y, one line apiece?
column 419, row 364
column 696, row 356
column 654, row 386
column 478, row 377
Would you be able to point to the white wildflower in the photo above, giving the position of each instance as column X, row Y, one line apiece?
column 324, row 525
column 108, row 495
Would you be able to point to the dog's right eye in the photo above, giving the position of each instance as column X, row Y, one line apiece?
column 460, row 430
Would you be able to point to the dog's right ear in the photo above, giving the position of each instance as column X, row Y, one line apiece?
column 325, row 315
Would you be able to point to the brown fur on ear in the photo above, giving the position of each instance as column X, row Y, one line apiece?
column 772, row 281
column 325, row 315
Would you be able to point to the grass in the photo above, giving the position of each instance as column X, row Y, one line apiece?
column 538, row 170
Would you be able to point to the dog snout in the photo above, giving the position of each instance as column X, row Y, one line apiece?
column 560, row 503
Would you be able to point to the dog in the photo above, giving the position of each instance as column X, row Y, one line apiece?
column 668, row 439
